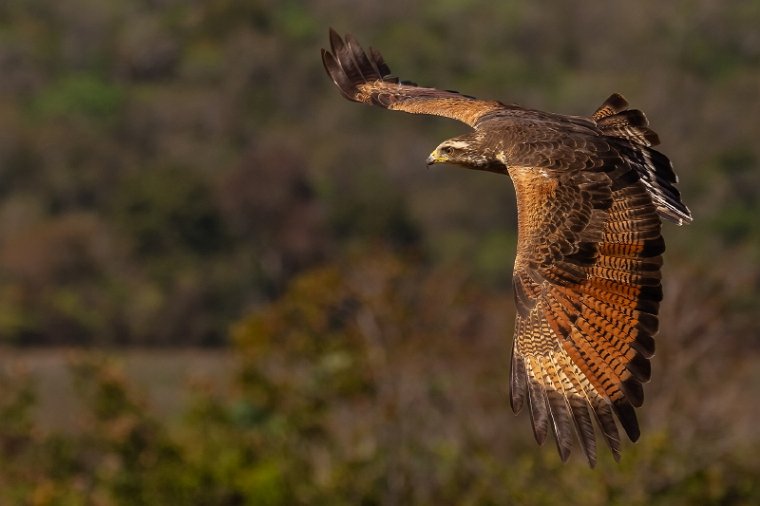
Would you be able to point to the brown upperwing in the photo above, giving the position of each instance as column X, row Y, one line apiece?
column 363, row 77
column 587, row 288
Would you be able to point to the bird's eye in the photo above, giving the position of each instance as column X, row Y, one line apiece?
column 447, row 150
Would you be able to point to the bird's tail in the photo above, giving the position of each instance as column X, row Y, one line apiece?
column 615, row 119
column 636, row 139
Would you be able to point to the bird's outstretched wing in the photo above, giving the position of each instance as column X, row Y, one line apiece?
column 587, row 288
column 365, row 77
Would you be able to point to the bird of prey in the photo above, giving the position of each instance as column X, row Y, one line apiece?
column 591, row 192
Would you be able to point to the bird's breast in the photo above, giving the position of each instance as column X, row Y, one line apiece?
column 534, row 190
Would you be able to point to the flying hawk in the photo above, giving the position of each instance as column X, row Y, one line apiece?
column 591, row 193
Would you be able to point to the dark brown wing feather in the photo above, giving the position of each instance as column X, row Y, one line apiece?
column 366, row 78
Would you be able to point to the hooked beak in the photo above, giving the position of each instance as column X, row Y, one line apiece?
column 434, row 158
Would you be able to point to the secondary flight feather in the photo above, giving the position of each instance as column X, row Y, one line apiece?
column 591, row 193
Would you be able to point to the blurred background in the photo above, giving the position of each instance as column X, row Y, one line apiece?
column 221, row 283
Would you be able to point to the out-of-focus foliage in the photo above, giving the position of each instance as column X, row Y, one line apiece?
column 382, row 381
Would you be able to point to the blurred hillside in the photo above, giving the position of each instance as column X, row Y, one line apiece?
column 183, row 173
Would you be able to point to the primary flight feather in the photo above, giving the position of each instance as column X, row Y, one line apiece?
column 591, row 193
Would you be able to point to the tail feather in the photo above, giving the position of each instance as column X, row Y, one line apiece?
column 614, row 104
column 656, row 172
column 614, row 119
column 634, row 140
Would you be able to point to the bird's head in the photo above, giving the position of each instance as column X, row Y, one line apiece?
column 467, row 151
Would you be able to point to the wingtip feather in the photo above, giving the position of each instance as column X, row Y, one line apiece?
column 517, row 384
column 627, row 416
column 539, row 415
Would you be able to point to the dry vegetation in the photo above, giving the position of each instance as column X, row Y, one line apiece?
column 176, row 173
